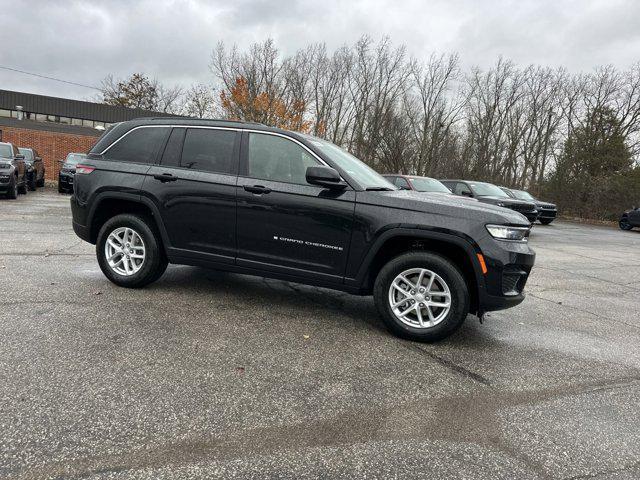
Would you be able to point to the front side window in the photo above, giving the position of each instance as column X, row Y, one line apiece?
column 208, row 150
column 402, row 183
column 139, row 145
column 278, row 159
column 461, row 189
column 28, row 154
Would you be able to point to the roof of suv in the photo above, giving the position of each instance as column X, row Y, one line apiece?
column 197, row 121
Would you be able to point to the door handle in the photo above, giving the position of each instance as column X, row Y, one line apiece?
column 165, row 177
column 257, row 189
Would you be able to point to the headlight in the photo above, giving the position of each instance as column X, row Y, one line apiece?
column 501, row 204
column 504, row 232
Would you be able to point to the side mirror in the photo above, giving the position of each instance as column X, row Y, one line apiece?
column 38, row 159
column 466, row 193
column 404, row 187
column 20, row 157
column 60, row 161
column 325, row 177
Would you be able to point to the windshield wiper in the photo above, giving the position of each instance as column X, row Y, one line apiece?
column 378, row 189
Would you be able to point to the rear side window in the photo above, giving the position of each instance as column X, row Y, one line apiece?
column 139, row 146
column 209, row 150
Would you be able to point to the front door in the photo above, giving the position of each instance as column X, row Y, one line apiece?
column 194, row 188
column 286, row 225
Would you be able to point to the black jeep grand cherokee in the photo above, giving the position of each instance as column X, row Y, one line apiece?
column 252, row 199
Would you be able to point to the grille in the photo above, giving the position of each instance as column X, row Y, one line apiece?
column 522, row 208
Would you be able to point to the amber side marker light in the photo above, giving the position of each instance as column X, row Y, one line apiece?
column 482, row 264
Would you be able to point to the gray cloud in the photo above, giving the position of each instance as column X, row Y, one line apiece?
column 172, row 40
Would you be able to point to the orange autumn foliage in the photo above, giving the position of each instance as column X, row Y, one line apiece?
column 240, row 104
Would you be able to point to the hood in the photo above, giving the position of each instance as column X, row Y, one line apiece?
column 449, row 195
column 545, row 204
column 442, row 204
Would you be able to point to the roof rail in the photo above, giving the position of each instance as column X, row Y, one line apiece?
column 223, row 120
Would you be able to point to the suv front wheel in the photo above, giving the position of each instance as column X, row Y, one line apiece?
column 421, row 296
column 129, row 251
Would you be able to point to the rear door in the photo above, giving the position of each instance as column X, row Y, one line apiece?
column 286, row 225
column 194, row 188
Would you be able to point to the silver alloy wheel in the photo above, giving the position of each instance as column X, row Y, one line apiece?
column 124, row 251
column 419, row 298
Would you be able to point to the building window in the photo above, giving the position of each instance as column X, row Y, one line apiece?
column 41, row 117
column 76, row 121
column 66, row 120
column 87, row 123
column 5, row 113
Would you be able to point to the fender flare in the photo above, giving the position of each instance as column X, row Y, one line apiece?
column 442, row 235
column 130, row 197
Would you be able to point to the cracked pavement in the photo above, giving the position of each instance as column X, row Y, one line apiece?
column 213, row 375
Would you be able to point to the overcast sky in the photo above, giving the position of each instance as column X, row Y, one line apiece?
column 83, row 41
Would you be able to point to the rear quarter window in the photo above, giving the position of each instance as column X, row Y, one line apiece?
column 140, row 145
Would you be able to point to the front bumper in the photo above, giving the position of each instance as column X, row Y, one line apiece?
column 508, row 267
column 548, row 213
column 66, row 180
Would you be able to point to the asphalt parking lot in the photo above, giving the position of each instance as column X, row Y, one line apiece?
column 206, row 374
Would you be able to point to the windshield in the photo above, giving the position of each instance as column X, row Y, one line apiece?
column 358, row 170
column 6, row 151
column 487, row 190
column 27, row 152
column 424, row 184
column 522, row 195
column 74, row 158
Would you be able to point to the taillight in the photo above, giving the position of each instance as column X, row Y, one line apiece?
column 84, row 169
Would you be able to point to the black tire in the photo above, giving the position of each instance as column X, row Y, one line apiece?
column 12, row 193
column 155, row 262
column 23, row 188
column 443, row 268
column 31, row 184
column 40, row 183
column 624, row 224
column 546, row 221
column 60, row 189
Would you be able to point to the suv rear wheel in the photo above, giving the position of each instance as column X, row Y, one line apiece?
column 129, row 251
column 421, row 296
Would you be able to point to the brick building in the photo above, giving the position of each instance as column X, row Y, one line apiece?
column 57, row 126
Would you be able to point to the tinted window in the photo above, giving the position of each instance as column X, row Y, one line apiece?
column 6, row 151
column 402, row 183
column 278, row 159
column 461, row 188
column 28, row 154
column 208, row 150
column 173, row 150
column 139, row 145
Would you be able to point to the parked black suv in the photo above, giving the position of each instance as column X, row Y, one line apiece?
column 13, row 171
column 547, row 212
column 252, row 199
column 35, row 167
column 490, row 193
column 67, row 172
column 630, row 219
